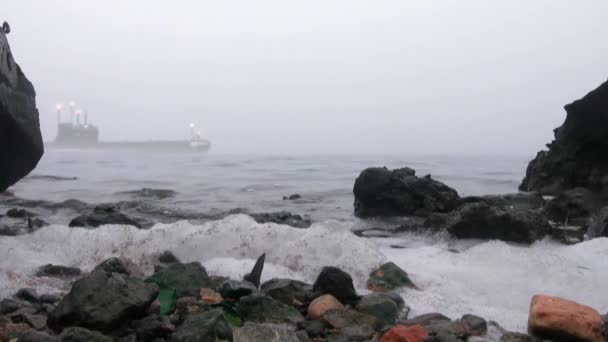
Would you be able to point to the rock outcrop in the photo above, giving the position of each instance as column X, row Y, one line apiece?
column 577, row 157
column 382, row 192
column 21, row 144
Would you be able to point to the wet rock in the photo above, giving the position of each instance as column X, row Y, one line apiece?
column 481, row 221
column 121, row 266
column 20, row 137
column 577, row 156
column 78, row 334
column 568, row 235
column 36, row 336
column 477, row 325
column 20, row 213
column 382, row 192
column 208, row 326
column 287, row 291
column 516, row 201
column 261, row 309
column 6, row 230
column 265, row 332
column 321, row 305
column 380, row 306
column 516, row 337
column 102, row 215
column 425, row 319
column 186, row 279
column 58, row 271
column 292, row 197
column 235, row 289
column 362, row 332
column 338, row 283
column 35, row 224
column 388, row 277
column 283, row 217
column 564, row 320
column 598, row 224
column 573, row 204
column 49, row 298
column 103, row 301
column 314, row 328
column 150, row 193
column 152, row 327
column 8, row 305
column 28, row 294
column 10, row 331
column 400, row 333
column 342, row 318
column 37, row 322
column 168, row 257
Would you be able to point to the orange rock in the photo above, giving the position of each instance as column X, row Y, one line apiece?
column 562, row 319
column 401, row 333
column 321, row 305
column 210, row 296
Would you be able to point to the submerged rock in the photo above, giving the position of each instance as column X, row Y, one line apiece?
column 577, row 157
column 20, row 213
column 388, row 277
column 382, row 192
column 481, row 221
column 21, row 144
column 57, row 271
column 103, row 301
column 102, row 215
column 150, row 193
column 564, row 320
column 283, row 217
column 337, row 283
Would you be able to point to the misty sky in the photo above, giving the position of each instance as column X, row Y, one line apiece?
column 316, row 76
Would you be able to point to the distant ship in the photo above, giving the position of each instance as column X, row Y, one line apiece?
column 78, row 133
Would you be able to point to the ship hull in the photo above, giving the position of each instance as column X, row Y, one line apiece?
column 152, row 145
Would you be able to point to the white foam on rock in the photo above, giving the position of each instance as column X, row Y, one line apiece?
column 227, row 247
column 496, row 280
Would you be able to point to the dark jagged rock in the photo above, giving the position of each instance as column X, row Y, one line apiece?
column 577, row 157
column 20, row 137
column 337, row 283
column 78, row 334
column 389, row 277
column 150, row 193
column 255, row 275
column 516, row 201
column 382, row 192
column 104, row 214
column 168, row 257
column 262, row 309
column 8, row 305
column 292, row 197
column 574, row 204
column 103, row 301
column 283, row 217
column 120, row 265
column 234, row 289
column 151, row 327
column 28, row 294
column 186, row 279
column 58, row 271
column 35, row 224
column 209, row 326
column 287, row 291
column 20, row 213
column 481, row 221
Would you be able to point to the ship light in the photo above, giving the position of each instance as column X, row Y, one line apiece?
column 59, row 107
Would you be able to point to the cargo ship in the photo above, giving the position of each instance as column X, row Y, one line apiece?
column 79, row 133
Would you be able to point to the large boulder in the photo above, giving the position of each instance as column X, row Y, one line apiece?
column 337, row 283
column 186, row 279
column 21, row 144
column 103, row 301
column 482, row 221
column 577, row 157
column 382, row 192
column 564, row 320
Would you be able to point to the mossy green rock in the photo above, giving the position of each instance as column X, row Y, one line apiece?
column 186, row 279
column 389, row 277
column 381, row 306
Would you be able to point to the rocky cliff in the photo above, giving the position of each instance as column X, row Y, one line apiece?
column 21, row 144
column 578, row 157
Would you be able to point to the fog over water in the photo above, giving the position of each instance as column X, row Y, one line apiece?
column 316, row 77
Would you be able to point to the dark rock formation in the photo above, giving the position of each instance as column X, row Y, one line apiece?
column 521, row 200
column 577, row 157
column 283, row 217
column 21, row 144
column 234, row 289
column 337, row 283
column 150, row 193
column 381, row 192
column 57, row 271
column 104, row 214
column 482, row 221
